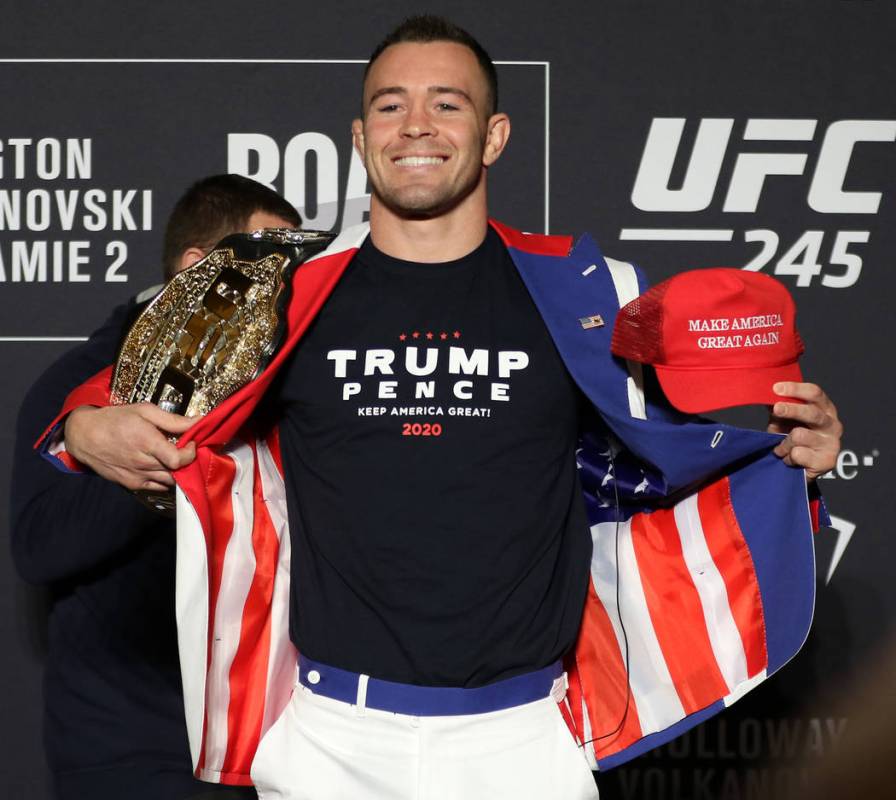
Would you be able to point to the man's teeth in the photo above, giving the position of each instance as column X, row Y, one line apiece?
column 418, row 161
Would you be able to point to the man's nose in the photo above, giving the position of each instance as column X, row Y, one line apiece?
column 417, row 123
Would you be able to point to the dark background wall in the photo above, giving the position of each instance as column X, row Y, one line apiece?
column 145, row 100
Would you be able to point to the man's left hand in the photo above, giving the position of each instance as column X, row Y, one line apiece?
column 812, row 427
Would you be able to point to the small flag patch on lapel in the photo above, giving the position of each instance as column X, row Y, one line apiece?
column 595, row 321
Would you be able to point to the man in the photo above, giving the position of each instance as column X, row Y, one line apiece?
column 431, row 396
column 114, row 724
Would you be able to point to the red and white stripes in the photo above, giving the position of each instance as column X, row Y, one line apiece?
column 249, row 661
column 689, row 603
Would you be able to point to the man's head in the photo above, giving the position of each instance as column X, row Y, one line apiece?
column 424, row 29
column 429, row 130
column 215, row 207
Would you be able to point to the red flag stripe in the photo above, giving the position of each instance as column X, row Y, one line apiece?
column 732, row 558
column 676, row 611
column 220, row 473
column 272, row 441
column 249, row 669
column 607, row 699
column 283, row 655
column 236, row 579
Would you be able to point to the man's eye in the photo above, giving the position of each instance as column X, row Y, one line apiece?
column 447, row 107
column 389, row 107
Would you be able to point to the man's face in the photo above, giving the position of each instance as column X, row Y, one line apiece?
column 426, row 137
column 264, row 219
column 258, row 219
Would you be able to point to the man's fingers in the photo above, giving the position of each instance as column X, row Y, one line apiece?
column 152, row 486
column 812, row 424
column 809, row 392
column 813, row 461
column 804, row 391
column 784, row 447
column 778, row 425
column 805, row 414
column 169, row 455
column 813, row 448
column 154, row 480
column 164, row 420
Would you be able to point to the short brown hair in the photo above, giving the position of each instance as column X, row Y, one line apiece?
column 427, row 28
column 214, row 207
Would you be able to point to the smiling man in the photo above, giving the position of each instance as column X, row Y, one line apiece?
column 447, row 566
column 428, row 138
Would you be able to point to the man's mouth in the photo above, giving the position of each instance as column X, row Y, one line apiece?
column 419, row 161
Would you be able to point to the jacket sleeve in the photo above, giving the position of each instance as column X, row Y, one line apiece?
column 62, row 525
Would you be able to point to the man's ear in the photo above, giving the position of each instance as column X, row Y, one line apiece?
column 358, row 137
column 496, row 137
column 189, row 257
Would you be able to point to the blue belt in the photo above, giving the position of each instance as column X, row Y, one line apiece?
column 427, row 701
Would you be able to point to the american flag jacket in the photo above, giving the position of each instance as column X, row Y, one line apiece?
column 702, row 574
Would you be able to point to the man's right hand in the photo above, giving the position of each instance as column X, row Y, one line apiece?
column 129, row 444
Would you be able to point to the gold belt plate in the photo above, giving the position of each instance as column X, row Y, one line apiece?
column 213, row 327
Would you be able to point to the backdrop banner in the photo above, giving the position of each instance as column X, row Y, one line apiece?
column 757, row 135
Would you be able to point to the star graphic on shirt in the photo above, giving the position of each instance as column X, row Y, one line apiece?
column 429, row 334
column 443, row 336
column 416, row 334
column 456, row 334
column 403, row 337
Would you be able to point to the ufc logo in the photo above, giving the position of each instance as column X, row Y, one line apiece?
column 651, row 191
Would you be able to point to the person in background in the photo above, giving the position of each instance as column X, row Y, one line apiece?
column 114, row 717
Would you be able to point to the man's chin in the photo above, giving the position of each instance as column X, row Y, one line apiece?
column 419, row 205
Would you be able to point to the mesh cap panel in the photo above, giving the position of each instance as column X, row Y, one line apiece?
column 638, row 333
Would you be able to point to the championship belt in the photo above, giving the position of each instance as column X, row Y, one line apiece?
column 213, row 328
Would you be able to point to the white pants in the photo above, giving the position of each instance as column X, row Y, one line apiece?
column 323, row 749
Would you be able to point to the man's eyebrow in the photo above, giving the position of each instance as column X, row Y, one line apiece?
column 431, row 90
column 451, row 90
column 388, row 90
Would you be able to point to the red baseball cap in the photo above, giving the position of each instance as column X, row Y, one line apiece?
column 717, row 337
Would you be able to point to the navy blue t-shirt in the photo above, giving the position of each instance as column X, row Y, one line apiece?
column 428, row 434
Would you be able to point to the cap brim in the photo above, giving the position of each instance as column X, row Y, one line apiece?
column 700, row 390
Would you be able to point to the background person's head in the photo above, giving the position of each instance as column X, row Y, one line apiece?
column 215, row 207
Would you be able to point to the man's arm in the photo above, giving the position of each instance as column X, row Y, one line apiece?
column 62, row 525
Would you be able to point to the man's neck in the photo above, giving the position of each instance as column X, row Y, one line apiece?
column 446, row 237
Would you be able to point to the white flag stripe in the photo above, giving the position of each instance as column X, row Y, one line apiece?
column 654, row 693
column 724, row 635
column 349, row 238
column 191, row 594
column 590, row 748
column 625, row 281
column 745, row 687
column 282, row 655
column 236, row 580
column 634, row 385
